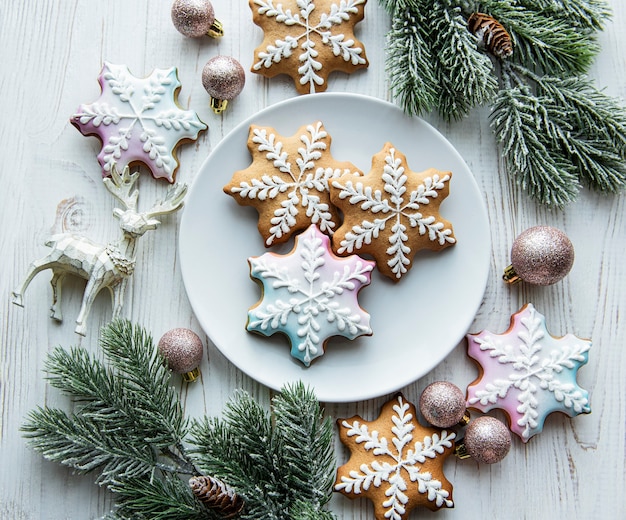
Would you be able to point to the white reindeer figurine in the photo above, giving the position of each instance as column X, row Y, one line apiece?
column 109, row 265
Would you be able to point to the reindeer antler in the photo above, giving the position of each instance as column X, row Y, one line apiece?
column 120, row 186
column 172, row 201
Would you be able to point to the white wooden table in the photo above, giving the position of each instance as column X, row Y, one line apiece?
column 52, row 53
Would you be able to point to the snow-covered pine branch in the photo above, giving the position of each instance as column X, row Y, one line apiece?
column 465, row 74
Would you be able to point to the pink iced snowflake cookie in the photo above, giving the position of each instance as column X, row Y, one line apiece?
column 138, row 120
column 310, row 295
column 528, row 373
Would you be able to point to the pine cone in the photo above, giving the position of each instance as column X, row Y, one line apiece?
column 492, row 34
column 216, row 495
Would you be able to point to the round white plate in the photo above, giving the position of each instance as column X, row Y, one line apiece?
column 416, row 322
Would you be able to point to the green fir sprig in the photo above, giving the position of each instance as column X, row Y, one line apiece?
column 542, row 170
column 544, row 133
column 411, row 63
column 128, row 427
column 464, row 74
column 296, row 451
column 163, row 498
column 557, row 130
column 550, row 43
column 588, row 14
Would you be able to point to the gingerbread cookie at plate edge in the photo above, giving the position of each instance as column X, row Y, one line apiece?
column 528, row 373
column 395, row 461
column 392, row 212
column 138, row 120
column 310, row 295
column 308, row 39
column 288, row 181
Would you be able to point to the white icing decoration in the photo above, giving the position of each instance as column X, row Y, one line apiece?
column 310, row 295
column 300, row 186
column 391, row 208
column 311, row 35
column 407, row 455
column 536, row 367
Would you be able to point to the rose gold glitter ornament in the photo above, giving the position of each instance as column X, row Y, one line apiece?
column 443, row 405
column 541, row 255
column 196, row 18
column 182, row 348
column 486, row 440
column 223, row 78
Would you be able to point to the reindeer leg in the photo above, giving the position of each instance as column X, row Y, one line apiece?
column 91, row 291
column 56, row 282
column 118, row 293
column 35, row 267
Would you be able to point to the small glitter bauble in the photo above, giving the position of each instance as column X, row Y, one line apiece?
column 541, row 255
column 487, row 440
column 182, row 348
column 223, row 78
column 443, row 405
column 196, row 18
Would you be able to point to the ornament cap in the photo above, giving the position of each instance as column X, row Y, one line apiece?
column 510, row 276
column 216, row 30
column 460, row 451
column 191, row 376
column 465, row 420
column 218, row 105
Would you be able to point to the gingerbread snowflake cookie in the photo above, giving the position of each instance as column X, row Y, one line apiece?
column 395, row 461
column 528, row 373
column 288, row 181
column 138, row 120
column 310, row 295
column 308, row 39
column 392, row 212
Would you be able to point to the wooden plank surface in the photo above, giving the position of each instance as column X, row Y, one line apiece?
column 52, row 52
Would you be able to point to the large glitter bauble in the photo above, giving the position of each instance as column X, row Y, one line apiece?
column 196, row 18
column 223, row 78
column 541, row 255
column 182, row 349
column 443, row 405
column 487, row 440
